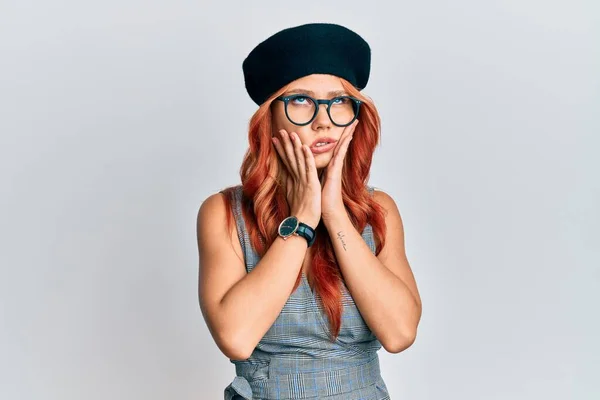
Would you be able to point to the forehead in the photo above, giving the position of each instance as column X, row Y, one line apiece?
column 319, row 84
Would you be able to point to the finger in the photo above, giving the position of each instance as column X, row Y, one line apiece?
column 289, row 152
column 349, row 130
column 288, row 185
column 344, row 148
column 341, row 154
column 300, row 158
column 343, row 142
column 311, row 166
column 279, row 147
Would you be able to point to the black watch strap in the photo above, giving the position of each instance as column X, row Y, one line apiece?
column 306, row 232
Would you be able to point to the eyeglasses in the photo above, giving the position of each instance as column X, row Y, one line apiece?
column 301, row 109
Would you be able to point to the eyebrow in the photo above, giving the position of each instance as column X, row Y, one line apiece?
column 333, row 93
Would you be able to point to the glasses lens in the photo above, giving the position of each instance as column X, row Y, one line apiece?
column 300, row 109
column 343, row 110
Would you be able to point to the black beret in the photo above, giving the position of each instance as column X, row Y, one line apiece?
column 316, row 48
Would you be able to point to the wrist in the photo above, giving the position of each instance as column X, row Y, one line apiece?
column 307, row 219
column 294, row 225
column 335, row 219
column 294, row 238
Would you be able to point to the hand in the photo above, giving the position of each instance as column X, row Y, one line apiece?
column 332, row 203
column 302, row 183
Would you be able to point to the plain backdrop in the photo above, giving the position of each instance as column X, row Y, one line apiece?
column 118, row 118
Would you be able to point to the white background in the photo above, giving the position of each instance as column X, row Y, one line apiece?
column 118, row 118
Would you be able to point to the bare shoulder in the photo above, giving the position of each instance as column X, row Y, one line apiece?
column 221, row 259
column 383, row 199
column 213, row 203
column 211, row 209
column 393, row 219
column 392, row 213
column 211, row 217
column 211, row 224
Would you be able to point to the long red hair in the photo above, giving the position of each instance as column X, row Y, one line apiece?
column 264, row 203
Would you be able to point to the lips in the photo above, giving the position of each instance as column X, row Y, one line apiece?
column 322, row 149
column 323, row 139
column 331, row 142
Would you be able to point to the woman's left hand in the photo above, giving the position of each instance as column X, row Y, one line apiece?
column 332, row 204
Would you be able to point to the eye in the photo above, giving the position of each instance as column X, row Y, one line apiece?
column 300, row 100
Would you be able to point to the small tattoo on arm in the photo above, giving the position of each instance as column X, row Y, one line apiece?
column 340, row 236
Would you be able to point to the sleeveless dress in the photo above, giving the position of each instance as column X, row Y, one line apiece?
column 295, row 359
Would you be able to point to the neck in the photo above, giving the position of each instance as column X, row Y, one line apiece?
column 321, row 175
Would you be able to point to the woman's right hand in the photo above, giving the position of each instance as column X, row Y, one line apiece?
column 302, row 183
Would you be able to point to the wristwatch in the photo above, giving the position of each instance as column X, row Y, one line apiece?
column 291, row 226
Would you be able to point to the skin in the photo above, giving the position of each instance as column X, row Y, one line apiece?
column 387, row 295
column 383, row 286
column 328, row 165
column 321, row 85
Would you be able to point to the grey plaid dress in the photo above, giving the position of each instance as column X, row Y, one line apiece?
column 295, row 359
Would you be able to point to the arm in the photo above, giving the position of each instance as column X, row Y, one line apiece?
column 383, row 287
column 240, row 307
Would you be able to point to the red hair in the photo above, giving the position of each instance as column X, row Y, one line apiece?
column 264, row 203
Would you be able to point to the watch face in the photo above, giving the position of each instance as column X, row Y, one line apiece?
column 288, row 226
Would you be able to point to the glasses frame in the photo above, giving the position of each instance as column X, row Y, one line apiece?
column 318, row 102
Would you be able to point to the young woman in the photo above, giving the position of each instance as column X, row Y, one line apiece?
column 303, row 273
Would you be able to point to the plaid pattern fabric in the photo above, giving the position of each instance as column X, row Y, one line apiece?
column 295, row 359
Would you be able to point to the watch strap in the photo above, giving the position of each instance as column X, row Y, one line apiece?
column 306, row 232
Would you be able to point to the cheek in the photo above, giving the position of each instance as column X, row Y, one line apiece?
column 280, row 121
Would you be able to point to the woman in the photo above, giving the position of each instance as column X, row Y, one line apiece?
column 308, row 276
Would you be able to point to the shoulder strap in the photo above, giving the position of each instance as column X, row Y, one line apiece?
column 237, row 212
column 250, row 256
column 367, row 233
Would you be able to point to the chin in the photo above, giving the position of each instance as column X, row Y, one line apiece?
column 322, row 159
column 321, row 165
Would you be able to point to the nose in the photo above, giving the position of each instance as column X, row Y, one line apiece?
column 322, row 118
